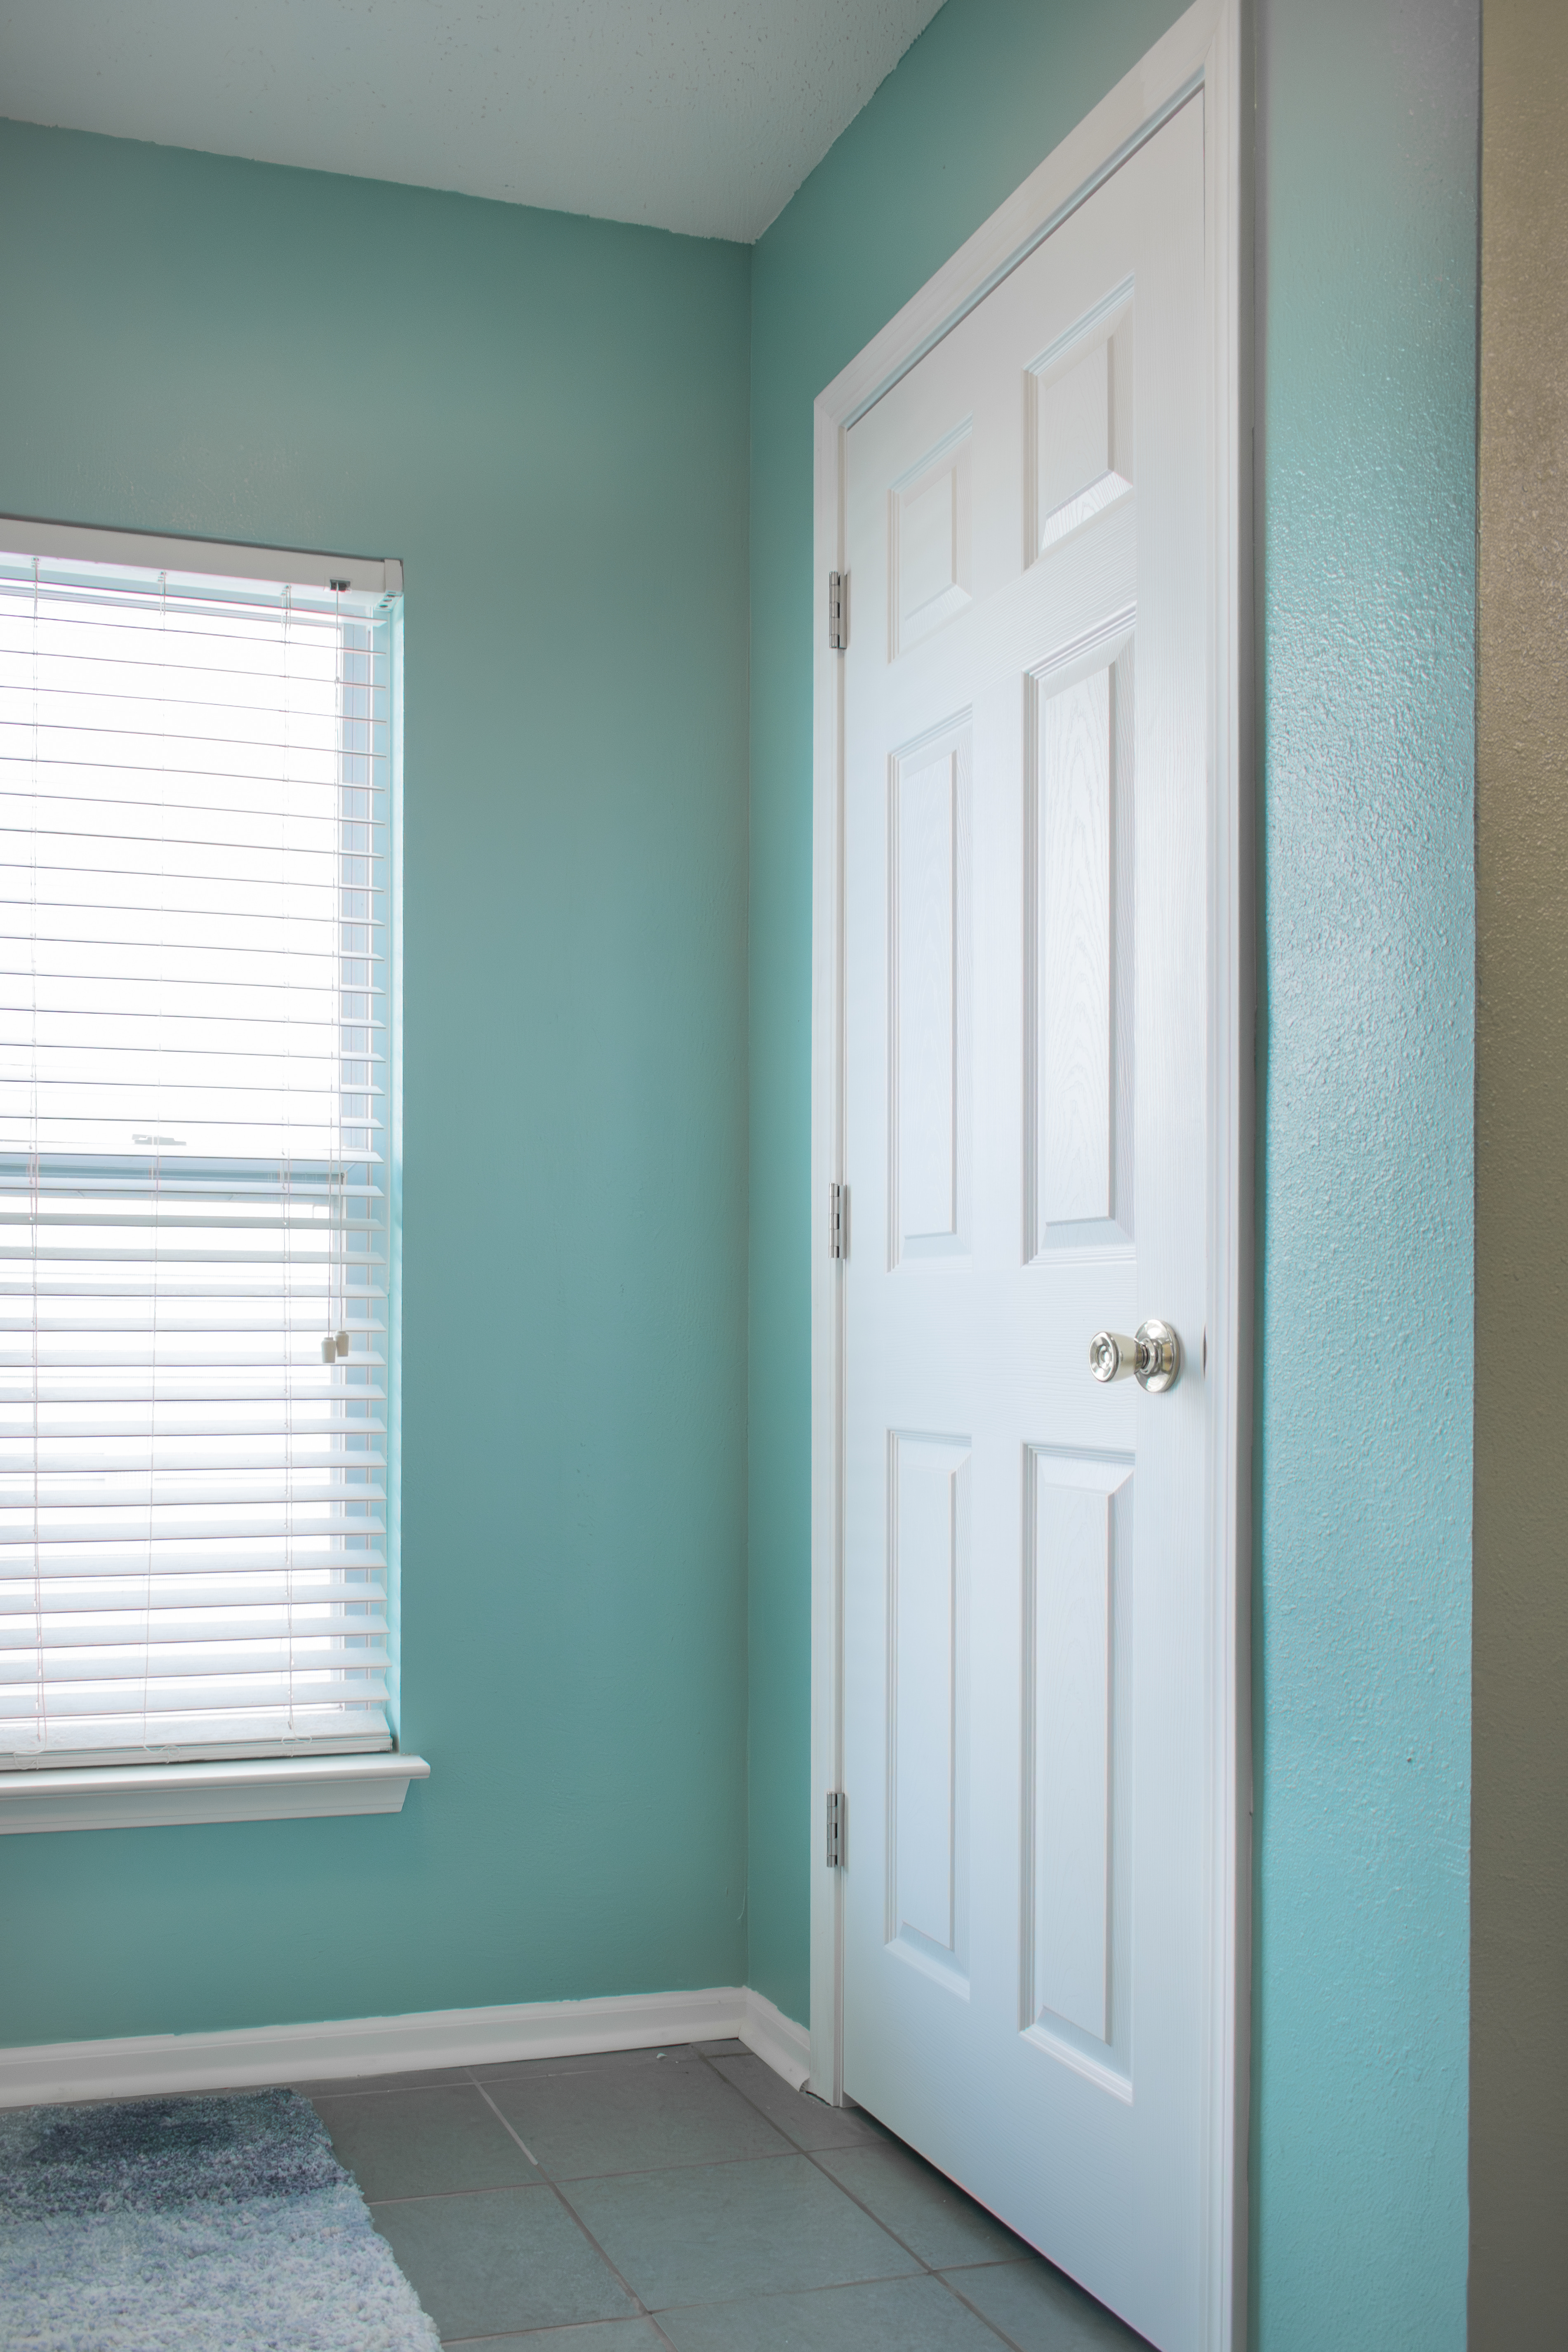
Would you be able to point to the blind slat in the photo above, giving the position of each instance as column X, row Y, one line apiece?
column 64, row 1396
column 299, row 1650
column 298, row 1523
column 218, row 1597
column 299, row 1556
column 56, row 1434
column 171, row 1695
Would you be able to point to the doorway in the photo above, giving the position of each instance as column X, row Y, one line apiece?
column 1032, row 1146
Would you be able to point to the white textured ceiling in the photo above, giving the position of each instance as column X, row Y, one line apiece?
column 700, row 115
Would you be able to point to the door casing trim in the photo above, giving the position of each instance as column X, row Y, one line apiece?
column 1207, row 50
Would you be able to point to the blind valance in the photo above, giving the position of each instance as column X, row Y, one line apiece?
column 196, row 908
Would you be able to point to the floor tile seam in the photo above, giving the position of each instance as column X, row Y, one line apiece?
column 1001, row 2263
column 532, row 2090
column 755, row 2105
column 930, row 2268
column 764, row 2155
column 934, row 2270
column 812, row 2157
column 996, row 2329
column 556, row 2328
column 446, row 2195
column 544, row 2070
column 759, row 2294
column 510, row 2128
column 792, row 2146
column 782, row 2294
column 565, row 2181
column 641, row 2309
column 589, row 2181
column 414, row 2091
column 683, row 2164
column 815, row 2156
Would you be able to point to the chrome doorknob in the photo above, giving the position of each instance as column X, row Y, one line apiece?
column 1153, row 1359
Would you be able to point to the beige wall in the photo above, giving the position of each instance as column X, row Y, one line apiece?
column 1518, row 2048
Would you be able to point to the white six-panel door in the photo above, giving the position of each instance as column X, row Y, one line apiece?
column 1026, row 1606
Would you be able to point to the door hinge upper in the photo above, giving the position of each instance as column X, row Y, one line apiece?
column 838, row 629
column 836, row 1839
column 838, row 1220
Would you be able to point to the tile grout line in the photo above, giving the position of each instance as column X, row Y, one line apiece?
column 467, row 2075
column 512, row 2129
column 436, row 2078
column 830, row 2286
column 561, row 2327
column 810, row 2155
column 632, row 2172
column 793, row 2147
column 996, row 2330
column 626, row 2287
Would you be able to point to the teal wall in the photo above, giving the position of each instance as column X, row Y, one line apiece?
column 1362, row 1660
column 1367, row 214
column 546, row 418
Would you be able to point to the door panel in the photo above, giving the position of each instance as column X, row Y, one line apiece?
column 1078, row 924
column 928, row 541
column 1078, row 1631
column 927, row 1695
column 929, row 991
column 1026, row 1604
column 1084, row 422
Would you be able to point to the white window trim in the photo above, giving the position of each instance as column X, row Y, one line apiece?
column 244, row 1788
column 249, row 1788
column 228, row 559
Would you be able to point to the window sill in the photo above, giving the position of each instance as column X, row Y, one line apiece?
column 154, row 1796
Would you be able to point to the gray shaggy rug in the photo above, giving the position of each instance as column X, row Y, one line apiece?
column 218, row 2224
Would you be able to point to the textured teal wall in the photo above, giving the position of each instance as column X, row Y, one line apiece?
column 546, row 418
column 1367, row 429
column 1367, row 312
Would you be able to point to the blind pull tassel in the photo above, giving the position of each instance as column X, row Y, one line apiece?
column 332, row 1348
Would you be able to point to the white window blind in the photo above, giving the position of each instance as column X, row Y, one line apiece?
column 195, row 897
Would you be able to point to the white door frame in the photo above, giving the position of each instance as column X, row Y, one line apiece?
column 1206, row 48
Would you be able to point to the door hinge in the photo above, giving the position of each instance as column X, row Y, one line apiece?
column 837, row 628
column 836, row 1839
column 838, row 1220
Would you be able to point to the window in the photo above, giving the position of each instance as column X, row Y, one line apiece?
column 196, row 1049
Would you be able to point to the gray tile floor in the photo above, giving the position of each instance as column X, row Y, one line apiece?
column 685, row 2198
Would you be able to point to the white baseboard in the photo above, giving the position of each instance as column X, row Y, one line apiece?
column 785, row 2045
column 143, row 2064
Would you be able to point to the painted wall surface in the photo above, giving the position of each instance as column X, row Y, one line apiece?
column 1367, row 435
column 546, row 417
column 1367, row 229
column 1519, row 1917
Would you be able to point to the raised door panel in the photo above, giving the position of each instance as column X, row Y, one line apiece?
column 1080, row 1539
column 1081, row 403
column 927, row 1609
column 929, row 995
column 928, row 541
column 1079, row 886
